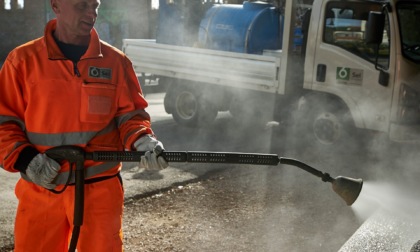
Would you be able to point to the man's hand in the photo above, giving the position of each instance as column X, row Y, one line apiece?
column 152, row 147
column 42, row 170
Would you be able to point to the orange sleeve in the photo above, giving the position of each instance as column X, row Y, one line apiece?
column 12, row 107
column 132, row 96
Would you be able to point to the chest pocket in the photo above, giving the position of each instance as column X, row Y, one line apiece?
column 98, row 102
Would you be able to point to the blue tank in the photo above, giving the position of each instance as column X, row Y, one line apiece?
column 248, row 28
column 178, row 21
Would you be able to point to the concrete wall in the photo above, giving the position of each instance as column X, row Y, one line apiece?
column 18, row 26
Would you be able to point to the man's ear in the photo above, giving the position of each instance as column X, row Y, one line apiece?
column 54, row 6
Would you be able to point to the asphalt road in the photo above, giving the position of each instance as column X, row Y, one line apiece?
column 302, row 212
column 306, row 210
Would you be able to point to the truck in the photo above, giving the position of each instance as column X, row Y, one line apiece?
column 330, row 67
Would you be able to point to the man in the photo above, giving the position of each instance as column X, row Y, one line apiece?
column 70, row 88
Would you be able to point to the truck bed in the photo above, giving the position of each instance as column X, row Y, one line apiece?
column 249, row 71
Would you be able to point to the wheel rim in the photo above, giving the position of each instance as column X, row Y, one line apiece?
column 327, row 128
column 186, row 105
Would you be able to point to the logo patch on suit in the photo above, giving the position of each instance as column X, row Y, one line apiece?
column 100, row 73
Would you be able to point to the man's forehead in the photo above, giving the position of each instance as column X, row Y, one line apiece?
column 81, row 1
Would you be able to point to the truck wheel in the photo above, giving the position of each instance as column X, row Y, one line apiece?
column 325, row 125
column 190, row 108
column 327, row 128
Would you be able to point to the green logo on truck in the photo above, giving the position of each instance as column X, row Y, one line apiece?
column 349, row 76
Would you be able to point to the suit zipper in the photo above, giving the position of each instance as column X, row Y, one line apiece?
column 76, row 70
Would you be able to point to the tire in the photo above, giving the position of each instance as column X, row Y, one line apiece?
column 325, row 126
column 191, row 108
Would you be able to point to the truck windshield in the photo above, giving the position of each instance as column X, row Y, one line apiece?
column 409, row 20
column 345, row 26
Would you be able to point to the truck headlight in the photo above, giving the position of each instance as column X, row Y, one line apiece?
column 409, row 105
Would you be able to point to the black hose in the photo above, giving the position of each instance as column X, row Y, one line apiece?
column 74, row 238
column 78, row 204
column 325, row 176
column 188, row 156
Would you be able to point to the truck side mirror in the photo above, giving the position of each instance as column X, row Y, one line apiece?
column 375, row 28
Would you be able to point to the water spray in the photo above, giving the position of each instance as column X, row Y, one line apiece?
column 347, row 188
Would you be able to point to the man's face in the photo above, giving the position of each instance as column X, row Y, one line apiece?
column 76, row 17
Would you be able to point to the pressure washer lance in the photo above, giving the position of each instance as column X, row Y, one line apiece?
column 347, row 188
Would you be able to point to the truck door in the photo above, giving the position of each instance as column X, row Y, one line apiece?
column 344, row 65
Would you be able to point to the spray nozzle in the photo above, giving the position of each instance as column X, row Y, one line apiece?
column 347, row 188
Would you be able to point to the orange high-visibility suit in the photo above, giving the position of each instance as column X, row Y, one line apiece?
column 46, row 101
